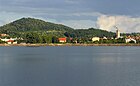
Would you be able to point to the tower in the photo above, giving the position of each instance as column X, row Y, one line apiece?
column 117, row 33
column 117, row 30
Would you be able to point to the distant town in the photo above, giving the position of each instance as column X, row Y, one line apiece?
column 35, row 31
column 6, row 39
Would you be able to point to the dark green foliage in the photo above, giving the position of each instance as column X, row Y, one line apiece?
column 121, row 40
column 46, row 38
column 91, row 32
column 130, row 34
column 33, row 38
column 2, row 42
column 132, row 42
column 111, row 41
column 138, row 41
column 31, row 24
column 55, row 39
column 69, row 40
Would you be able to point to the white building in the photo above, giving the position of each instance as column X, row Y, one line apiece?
column 104, row 37
column 95, row 39
column 130, row 39
column 10, row 41
column 5, row 39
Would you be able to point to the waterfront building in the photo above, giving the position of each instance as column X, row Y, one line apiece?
column 95, row 39
column 10, row 41
column 128, row 40
column 62, row 40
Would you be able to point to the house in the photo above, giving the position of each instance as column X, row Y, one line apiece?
column 10, row 41
column 95, row 39
column 130, row 40
column 3, row 35
column 15, row 42
column 62, row 40
column 5, row 39
column 104, row 37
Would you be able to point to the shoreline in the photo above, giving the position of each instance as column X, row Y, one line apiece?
column 38, row 45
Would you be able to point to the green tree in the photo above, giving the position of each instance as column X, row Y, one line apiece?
column 47, row 38
column 33, row 37
column 121, row 40
column 55, row 39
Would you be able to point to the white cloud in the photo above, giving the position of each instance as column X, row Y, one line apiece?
column 124, row 23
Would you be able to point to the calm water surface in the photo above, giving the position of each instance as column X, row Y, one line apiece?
column 70, row 66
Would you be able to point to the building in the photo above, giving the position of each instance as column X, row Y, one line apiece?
column 3, row 35
column 5, row 39
column 95, row 39
column 62, row 40
column 104, row 37
column 117, row 33
column 10, row 41
column 128, row 40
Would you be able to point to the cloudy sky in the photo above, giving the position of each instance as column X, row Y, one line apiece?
column 104, row 14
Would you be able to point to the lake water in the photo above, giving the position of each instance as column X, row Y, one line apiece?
column 70, row 66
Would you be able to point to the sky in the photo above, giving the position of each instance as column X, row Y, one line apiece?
column 78, row 14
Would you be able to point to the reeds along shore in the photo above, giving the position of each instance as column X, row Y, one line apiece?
column 37, row 45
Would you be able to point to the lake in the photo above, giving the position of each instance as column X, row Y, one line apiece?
column 70, row 66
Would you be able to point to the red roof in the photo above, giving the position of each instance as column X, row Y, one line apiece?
column 10, row 41
column 62, row 39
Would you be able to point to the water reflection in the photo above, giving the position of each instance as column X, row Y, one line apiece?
column 69, row 66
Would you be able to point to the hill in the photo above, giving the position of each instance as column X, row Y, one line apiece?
column 25, row 25
column 31, row 24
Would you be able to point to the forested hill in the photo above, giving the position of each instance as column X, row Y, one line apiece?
column 89, row 33
column 25, row 25
column 31, row 24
